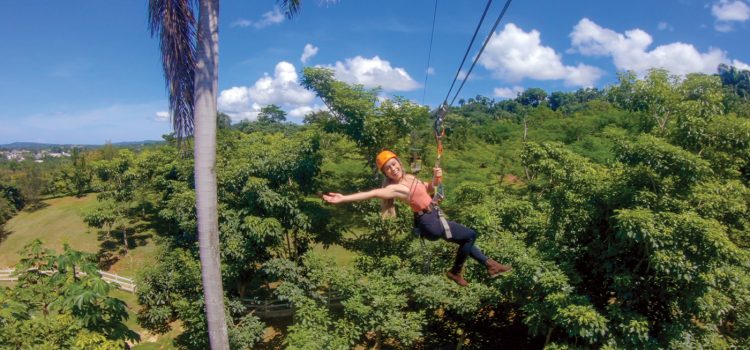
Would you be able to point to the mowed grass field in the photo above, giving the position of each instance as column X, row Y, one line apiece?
column 59, row 222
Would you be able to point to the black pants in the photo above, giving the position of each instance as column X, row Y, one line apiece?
column 431, row 229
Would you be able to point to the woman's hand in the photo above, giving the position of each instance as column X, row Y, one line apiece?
column 437, row 176
column 437, row 172
column 333, row 198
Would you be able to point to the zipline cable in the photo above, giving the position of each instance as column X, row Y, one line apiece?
column 439, row 127
column 479, row 25
column 476, row 59
column 429, row 52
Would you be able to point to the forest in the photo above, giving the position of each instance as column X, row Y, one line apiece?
column 624, row 211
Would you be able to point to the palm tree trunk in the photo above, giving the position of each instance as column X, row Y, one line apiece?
column 206, row 86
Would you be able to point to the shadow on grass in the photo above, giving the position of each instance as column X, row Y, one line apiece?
column 273, row 337
column 35, row 206
column 3, row 233
column 112, row 249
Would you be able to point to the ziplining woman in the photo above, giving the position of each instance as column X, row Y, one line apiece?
column 427, row 217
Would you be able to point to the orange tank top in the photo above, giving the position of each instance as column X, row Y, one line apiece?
column 418, row 199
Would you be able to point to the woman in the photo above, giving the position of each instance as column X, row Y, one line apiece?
column 427, row 217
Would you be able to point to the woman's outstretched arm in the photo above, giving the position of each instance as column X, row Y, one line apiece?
column 387, row 192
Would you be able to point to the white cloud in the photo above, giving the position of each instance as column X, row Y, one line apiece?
column 162, row 116
column 740, row 65
column 513, row 55
column 730, row 10
column 308, row 52
column 281, row 89
column 374, row 72
column 727, row 12
column 242, row 23
column 506, row 92
column 462, row 75
column 629, row 51
column 301, row 112
column 430, row 71
column 269, row 18
column 665, row 26
column 723, row 27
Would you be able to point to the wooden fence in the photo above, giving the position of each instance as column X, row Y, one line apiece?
column 272, row 308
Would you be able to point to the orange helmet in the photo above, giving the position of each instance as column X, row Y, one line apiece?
column 383, row 157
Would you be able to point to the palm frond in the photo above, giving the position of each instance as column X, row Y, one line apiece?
column 174, row 23
column 290, row 7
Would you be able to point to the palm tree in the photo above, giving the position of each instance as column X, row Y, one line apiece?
column 190, row 59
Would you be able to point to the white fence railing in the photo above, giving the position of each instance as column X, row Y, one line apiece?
column 5, row 275
column 124, row 283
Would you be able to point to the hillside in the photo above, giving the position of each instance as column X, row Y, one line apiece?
column 39, row 146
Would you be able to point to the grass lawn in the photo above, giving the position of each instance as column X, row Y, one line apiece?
column 59, row 222
column 341, row 256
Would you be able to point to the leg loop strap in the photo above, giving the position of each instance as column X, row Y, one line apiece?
column 444, row 222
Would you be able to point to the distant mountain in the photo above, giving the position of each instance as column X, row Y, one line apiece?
column 37, row 146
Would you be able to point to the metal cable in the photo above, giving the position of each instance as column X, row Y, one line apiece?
column 489, row 2
column 489, row 36
column 429, row 52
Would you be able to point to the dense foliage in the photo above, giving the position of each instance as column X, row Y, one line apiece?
column 61, row 302
column 625, row 213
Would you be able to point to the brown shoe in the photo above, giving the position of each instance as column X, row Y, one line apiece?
column 456, row 277
column 495, row 268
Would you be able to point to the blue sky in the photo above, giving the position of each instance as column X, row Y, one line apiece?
column 88, row 71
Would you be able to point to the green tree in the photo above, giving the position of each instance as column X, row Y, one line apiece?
column 736, row 79
column 60, row 301
column 32, row 185
column 75, row 178
column 355, row 111
column 700, row 103
column 559, row 99
column 271, row 114
column 105, row 216
column 117, row 189
column 223, row 121
column 108, row 151
column 532, row 97
column 656, row 96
